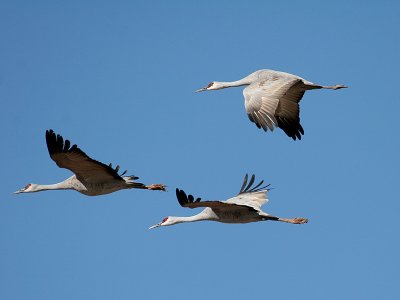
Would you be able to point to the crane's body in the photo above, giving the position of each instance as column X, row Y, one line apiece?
column 92, row 178
column 86, row 188
column 272, row 99
column 243, row 208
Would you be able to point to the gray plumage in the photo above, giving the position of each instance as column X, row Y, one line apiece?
column 272, row 99
column 243, row 208
column 91, row 178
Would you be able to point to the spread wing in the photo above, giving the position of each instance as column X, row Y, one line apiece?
column 274, row 101
column 190, row 202
column 74, row 159
column 251, row 196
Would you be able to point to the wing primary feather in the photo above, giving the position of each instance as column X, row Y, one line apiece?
column 181, row 196
column 249, row 188
column 185, row 200
column 260, row 189
column 253, row 177
column 254, row 188
column 244, row 183
column 60, row 143
column 301, row 129
column 67, row 144
column 50, row 141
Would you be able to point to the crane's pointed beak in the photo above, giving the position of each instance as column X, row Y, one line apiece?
column 18, row 192
column 201, row 90
column 155, row 226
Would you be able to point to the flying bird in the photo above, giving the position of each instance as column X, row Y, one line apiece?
column 92, row 178
column 243, row 208
column 272, row 99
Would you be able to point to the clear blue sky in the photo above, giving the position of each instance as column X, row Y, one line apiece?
column 118, row 79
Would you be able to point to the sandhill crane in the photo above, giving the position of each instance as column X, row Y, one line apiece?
column 91, row 178
column 272, row 99
column 243, row 208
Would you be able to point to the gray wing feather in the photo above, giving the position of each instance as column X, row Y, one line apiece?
column 74, row 159
column 189, row 201
column 250, row 196
column 273, row 102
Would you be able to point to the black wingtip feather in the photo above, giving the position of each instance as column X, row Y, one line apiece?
column 56, row 144
column 292, row 128
column 183, row 199
column 244, row 183
column 249, row 188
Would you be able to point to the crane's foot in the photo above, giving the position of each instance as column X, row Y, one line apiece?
column 294, row 220
column 299, row 221
column 157, row 187
column 335, row 87
column 339, row 86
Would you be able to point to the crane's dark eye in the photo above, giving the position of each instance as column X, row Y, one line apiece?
column 165, row 219
column 27, row 186
column 210, row 85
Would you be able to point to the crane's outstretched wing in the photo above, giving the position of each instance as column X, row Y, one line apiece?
column 190, row 202
column 275, row 101
column 249, row 195
column 74, row 159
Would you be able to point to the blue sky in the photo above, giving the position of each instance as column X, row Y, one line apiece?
column 118, row 79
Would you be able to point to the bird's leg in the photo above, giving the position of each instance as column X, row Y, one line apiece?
column 293, row 221
column 335, row 87
column 312, row 86
column 156, row 187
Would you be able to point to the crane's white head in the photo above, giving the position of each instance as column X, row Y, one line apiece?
column 167, row 221
column 29, row 188
column 215, row 85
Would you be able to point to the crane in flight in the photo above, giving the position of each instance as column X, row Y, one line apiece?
column 243, row 208
column 272, row 99
column 92, row 178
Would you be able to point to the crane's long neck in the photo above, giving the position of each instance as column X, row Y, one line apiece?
column 199, row 217
column 228, row 84
column 64, row 185
column 56, row 186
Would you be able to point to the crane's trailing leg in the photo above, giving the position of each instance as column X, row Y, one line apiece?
column 294, row 220
column 312, row 86
column 156, row 187
column 335, row 87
